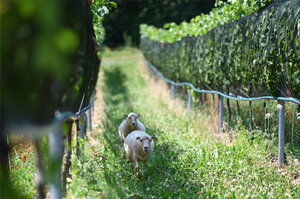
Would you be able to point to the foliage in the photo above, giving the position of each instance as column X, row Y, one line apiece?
column 256, row 54
column 48, row 62
column 23, row 177
column 47, row 58
column 222, row 13
column 186, row 163
column 101, row 8
column 122, row 24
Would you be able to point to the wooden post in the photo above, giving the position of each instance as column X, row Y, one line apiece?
column 221, row 113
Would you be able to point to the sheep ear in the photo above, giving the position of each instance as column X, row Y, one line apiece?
column 152, row 137
column 138, row 115
column 125, row 115
column 138, row 138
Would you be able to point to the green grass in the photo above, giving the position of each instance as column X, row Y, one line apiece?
column 22, row 169
column 188, row 161
column 121, row 51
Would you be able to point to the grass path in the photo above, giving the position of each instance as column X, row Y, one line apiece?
column 189, row 159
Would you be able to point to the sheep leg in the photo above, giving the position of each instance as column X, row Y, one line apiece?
column 144, row 167
column 137, row 168
column 132, row 171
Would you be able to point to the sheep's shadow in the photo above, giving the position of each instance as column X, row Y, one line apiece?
column 160, row 166
column 164, row 164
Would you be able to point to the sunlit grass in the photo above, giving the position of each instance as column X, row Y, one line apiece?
column 121, row 51
column 189, row 161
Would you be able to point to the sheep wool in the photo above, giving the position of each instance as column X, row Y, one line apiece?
column 139, row 147
column 130, row 124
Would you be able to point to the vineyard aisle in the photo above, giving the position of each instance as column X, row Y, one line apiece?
column 189, row 159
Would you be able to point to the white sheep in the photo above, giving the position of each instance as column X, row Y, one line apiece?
column 138, row 147
column 130, row 124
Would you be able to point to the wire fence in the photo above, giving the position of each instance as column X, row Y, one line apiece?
column 55, row 133
column 253, row 56
column 48, row 76
column 281, row 107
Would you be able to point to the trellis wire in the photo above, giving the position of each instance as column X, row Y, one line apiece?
column 221, row 106
column 229, row 55
column 54, row 131
column 229, row 95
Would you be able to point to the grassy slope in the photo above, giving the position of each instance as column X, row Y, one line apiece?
column 189, row 161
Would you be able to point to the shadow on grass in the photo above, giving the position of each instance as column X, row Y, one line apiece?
column 114, row 80
column 165, row 175
column 116, row 98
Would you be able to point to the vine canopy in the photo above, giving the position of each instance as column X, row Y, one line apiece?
column 257, row 55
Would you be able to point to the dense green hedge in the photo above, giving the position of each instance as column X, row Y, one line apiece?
column 256, row 53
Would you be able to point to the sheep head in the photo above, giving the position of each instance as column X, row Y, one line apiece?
column 132, row 119
column 145, row 142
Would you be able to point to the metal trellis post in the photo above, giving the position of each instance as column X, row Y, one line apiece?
column 293, row 124
column 89, row 115
column 92, row 101
column 82, row 131
column 172, row 91
column 190, row 100
column 82, row 125
column 221, row 113
column 281, row 132
column 56, row 154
